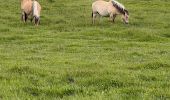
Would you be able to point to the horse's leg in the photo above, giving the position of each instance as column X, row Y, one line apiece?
column 34, row 18
column 38, row 21
column 113, row 19
column 100, row 17
column 26, row 17
column 31, row 19
column 94, row 15
column 23, row 17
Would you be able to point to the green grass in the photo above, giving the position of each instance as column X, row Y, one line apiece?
column 67, row 57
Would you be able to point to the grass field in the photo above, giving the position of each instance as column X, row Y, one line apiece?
column 67, row 57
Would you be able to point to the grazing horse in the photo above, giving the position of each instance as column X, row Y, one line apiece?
column 109, row 9
column 30, row 8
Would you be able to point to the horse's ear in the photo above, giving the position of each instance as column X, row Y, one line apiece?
column 126, row 12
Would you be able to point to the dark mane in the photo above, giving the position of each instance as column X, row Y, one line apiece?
column 126, row 12
column 119, row 7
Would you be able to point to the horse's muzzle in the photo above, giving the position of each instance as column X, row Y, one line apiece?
column 126, row 22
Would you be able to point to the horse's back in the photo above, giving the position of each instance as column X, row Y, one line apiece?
column 101, row 7
column 100, row 4
column 27, row 7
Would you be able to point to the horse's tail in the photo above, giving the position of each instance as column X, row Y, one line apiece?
column 36, row 12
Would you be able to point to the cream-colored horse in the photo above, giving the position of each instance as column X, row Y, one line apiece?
column 109, row 9
column 30, row 8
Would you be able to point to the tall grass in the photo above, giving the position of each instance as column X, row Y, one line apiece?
column 67, row 57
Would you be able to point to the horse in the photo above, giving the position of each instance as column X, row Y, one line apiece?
column 30, row 8
column 109, row 9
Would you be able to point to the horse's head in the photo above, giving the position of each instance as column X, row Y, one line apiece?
column 125, row 17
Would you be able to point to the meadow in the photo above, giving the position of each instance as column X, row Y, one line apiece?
column 68, row 58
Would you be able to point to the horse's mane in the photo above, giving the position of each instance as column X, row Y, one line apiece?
column 119, row 6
